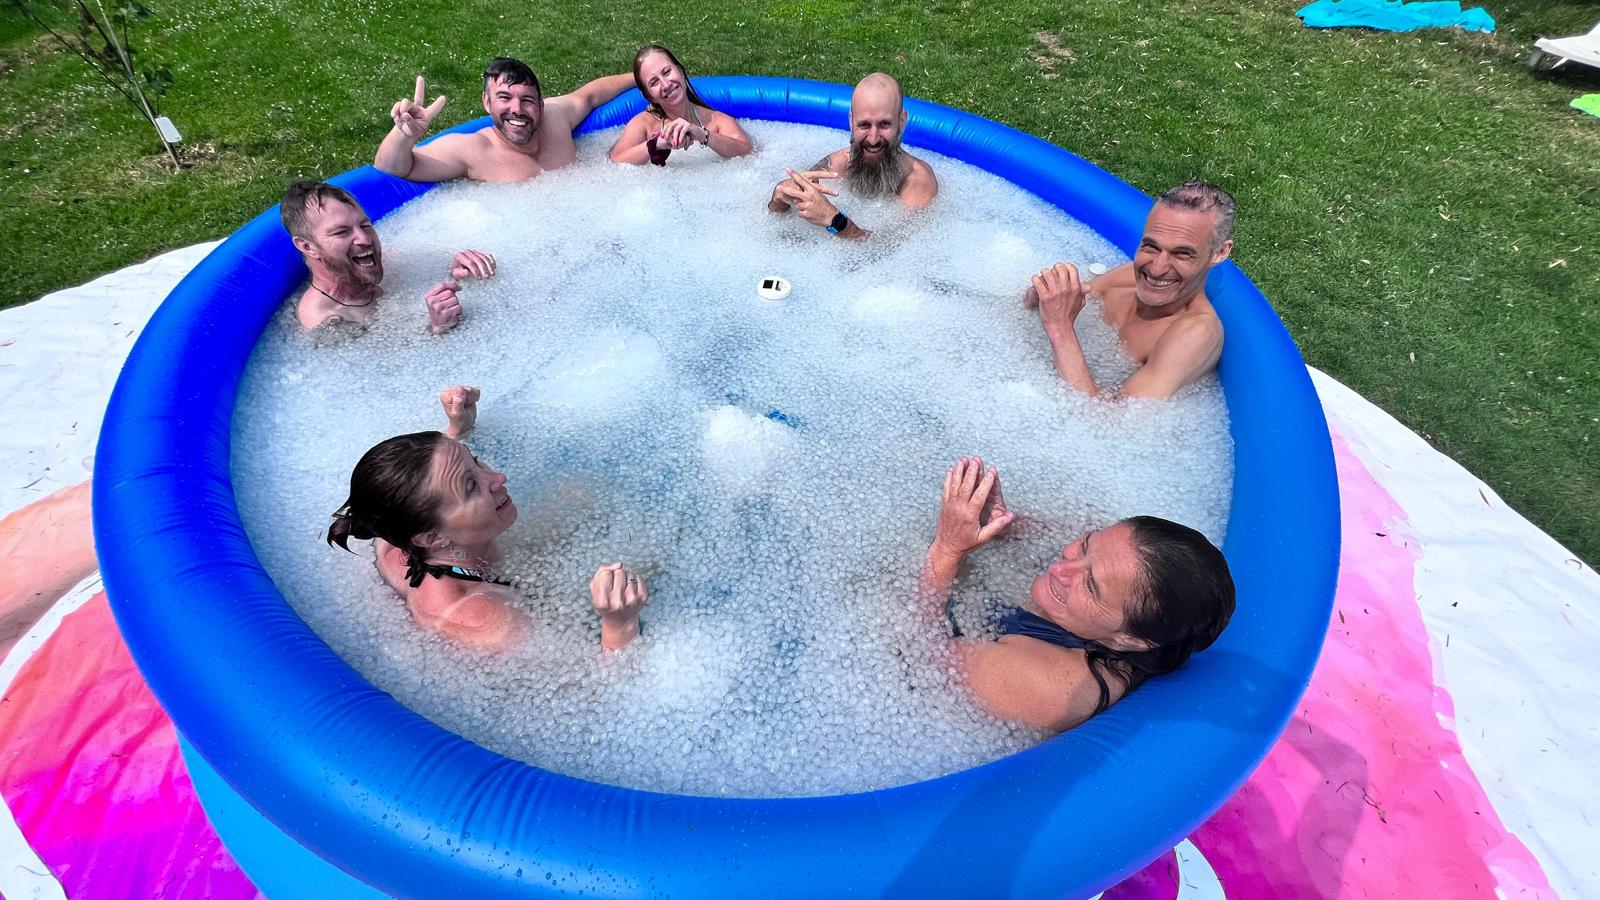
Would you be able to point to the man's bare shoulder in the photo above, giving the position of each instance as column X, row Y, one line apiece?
column 312, row 312
column 920, row 185
column 565, row 112
column 1118, row 279
column 1195, row 333
column 835, row 161
column 1115, row 290
column 1201, row 312
column 456, row 146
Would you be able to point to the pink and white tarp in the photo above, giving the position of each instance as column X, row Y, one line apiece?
column 1443, row 748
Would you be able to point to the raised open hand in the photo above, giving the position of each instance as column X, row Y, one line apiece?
column 411, row 117
column 972, row 512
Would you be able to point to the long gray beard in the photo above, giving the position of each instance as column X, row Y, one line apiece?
column 870, row 179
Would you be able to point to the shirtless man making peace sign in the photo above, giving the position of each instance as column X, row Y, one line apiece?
column 528, row 133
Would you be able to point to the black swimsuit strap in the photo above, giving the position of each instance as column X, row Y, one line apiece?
column 418, row 569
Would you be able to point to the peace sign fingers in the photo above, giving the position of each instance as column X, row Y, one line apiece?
column 806, row 187
column 410, row 116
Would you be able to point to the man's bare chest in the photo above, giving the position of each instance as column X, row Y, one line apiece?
column 1139, row 337
column 319, row 309
column 504, row 166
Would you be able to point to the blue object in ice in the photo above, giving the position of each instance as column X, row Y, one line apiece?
column 778, row 415
column 1394, row 15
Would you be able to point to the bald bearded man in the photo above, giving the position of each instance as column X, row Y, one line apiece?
column 874, row 165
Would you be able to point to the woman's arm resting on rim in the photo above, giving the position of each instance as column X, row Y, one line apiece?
column 630, row 147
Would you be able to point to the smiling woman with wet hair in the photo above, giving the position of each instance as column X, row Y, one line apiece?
column 434, row 511
column 676, row 118
column 1120, row 605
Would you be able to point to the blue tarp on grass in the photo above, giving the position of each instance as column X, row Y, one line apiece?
column 1394, row 15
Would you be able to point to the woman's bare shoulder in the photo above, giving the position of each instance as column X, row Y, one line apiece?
column 1026, row 680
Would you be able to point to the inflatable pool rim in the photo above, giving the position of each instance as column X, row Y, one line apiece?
column 393, row 801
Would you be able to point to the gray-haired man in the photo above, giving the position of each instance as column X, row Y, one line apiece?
column 1157, row 302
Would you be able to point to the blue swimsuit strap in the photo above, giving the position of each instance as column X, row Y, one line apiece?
column 1021, row 622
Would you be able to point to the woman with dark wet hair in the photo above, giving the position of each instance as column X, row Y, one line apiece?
column 676, row 118
column 1122, row 604
column 433, row 512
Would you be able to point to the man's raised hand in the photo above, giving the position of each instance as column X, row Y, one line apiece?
column 789, row 191
column 472, row 264
column 1059, row 295
column 444, row 307
column 411, row 117
column 810, row 198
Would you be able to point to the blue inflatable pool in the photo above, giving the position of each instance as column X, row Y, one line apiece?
column 323, row 785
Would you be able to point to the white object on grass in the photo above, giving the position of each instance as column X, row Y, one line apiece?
column 1580, row 48
column 169, row 131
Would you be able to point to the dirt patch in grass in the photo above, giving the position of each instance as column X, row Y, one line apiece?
column 26, row 53
column 1050, row 53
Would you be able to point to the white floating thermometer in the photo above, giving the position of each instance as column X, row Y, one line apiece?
column 772, row 287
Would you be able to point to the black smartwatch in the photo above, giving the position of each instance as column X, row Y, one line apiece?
column 840, row 223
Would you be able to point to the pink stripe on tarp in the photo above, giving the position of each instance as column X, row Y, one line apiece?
column 92, row 774
column 1367, row 793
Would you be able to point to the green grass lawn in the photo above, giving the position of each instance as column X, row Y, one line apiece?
column 1423, row 213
